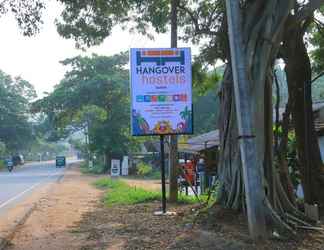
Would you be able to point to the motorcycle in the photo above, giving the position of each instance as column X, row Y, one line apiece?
column 10, row 165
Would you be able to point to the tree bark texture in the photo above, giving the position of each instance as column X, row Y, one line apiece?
column 298, row 70
column 173, row 156
column 263, row 23
column 231, row 193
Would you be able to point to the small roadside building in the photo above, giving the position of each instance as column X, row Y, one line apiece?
column 205, row 146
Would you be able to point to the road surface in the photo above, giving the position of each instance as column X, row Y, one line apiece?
column 23, row 181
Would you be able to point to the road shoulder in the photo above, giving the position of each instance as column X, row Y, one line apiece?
column 49, row 225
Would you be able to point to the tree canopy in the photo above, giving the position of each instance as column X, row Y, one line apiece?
column 15, row 96
column 28, row 14
column 93, row 97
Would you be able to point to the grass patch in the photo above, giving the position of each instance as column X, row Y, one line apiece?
column 110, row 183
column 119, row 193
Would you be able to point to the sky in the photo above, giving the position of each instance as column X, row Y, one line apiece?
column 37, row 59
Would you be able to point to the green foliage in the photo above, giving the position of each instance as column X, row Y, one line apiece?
column 2, row 164
column 119, row 193
column 97, row 168
column 144, row 169
column 155, row 175
column 203, row 79
column 45, row 150
column 2, row 148
column 79, row 145
column 93, row 97
column 147, row 171
column 292, row 159
column 191, row 199
column 15, row 129
column 199, row 20
column 103, row 15
column 291, row 156
column 317, row 41
column 206, row 110
column 27, row 14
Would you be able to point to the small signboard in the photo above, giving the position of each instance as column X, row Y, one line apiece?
column 115, row 167
column 161, row 91
column 125, row 165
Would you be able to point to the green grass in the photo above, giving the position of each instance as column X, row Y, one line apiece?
column 191, row 199
column 119, row 193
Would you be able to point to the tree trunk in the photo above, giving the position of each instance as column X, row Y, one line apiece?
column 231, row 193
column 263, row 25
column 298, row 70
column 173, row 156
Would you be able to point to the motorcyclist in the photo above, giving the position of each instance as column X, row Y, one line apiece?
column 9, row 164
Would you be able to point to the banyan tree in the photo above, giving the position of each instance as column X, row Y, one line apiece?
column 271, row 30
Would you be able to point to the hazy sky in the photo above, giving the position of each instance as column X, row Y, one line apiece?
column 36, row 59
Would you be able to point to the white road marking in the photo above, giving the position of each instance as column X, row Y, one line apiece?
column 19, row 195
column 25, row 191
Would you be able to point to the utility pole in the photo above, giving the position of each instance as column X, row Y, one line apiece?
column 254, row 192
column 173, row 146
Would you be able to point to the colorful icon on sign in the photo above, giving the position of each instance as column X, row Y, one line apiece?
column 160, row 57
column 162, row 98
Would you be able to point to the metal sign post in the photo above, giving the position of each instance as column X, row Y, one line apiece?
column 163, row 173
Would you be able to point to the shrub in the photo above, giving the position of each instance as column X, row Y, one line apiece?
column 2, row 164
column 96, row 169
column 144, row 169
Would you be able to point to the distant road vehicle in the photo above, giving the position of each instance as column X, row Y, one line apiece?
column 18, row 160
column 9, row 164
column 60, row 161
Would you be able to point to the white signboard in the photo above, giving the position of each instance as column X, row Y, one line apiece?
column 161, row 91
column 115, row 167
column 125, row 165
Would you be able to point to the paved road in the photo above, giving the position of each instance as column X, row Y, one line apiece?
column 22, row 181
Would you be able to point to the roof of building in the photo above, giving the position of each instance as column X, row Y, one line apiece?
column 201, row 142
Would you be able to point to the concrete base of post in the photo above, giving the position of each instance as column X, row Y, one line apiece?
column 167, row 213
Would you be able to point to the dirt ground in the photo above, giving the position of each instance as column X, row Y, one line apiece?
column 49, row 225
column 74, row 217
column 154, row 185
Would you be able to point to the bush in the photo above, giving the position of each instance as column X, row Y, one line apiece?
column 96, row 169
column 2, row 164
column 144, row 169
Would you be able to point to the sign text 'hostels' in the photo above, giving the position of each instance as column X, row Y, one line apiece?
column 161, row 91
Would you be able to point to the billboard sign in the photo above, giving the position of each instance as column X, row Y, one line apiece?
column 161, row 91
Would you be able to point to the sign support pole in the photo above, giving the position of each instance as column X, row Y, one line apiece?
column 173, row 155
column 162, row 156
